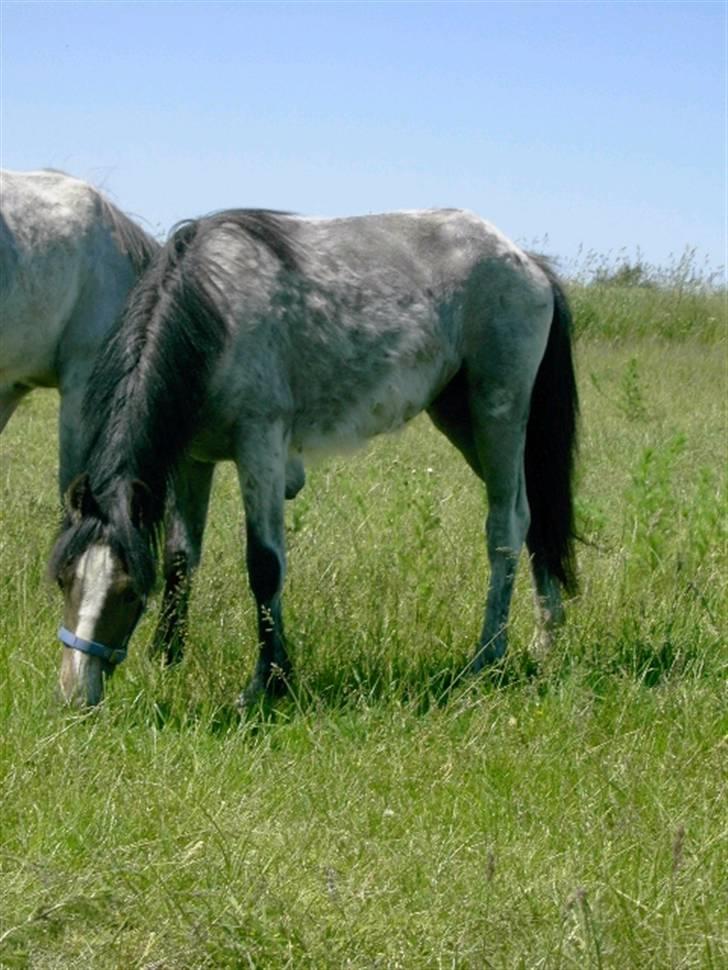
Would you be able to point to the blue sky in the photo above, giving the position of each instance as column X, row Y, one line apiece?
column 600, row 125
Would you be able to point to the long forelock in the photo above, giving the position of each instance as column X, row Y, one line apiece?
column 136, row 549
column 73, row 540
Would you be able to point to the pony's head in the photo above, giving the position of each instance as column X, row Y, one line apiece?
column 104, row 566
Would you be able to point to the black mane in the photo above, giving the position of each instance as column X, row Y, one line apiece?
column 267, row 226
column 149, row 382
column 138, row 245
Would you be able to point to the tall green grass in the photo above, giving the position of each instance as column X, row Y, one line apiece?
column 564, row 811
column 628, row 298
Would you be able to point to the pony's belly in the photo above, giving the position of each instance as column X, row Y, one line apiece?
column 384, row 409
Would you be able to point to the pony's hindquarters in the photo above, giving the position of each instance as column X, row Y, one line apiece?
column 505, row 412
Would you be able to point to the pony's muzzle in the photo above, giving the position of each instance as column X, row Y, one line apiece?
column 81, row 679
column 84, row 667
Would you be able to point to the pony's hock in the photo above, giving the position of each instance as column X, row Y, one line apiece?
column 260, row 338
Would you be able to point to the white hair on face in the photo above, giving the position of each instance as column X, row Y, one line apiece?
column 95, row 572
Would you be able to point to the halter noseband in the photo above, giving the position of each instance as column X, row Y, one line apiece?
column 112, row 655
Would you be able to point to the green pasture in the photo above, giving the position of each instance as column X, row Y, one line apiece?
column 566, row 810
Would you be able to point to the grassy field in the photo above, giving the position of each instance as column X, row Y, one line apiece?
column 566, row 811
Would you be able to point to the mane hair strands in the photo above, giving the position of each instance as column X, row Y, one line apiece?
column 138, row 245
column 157, row 362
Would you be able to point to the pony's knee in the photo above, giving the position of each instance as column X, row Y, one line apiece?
column 178, row 564
column 265, row 568
column 183, row 548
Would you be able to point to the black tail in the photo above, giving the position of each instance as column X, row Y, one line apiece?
column 551, row 440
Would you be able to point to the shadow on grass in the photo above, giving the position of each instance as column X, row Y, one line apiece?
column 182, row 699
column 363, row 683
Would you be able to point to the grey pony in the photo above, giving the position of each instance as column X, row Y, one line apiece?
column 264, row 338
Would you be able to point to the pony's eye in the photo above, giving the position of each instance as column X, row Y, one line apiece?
column 128, row 596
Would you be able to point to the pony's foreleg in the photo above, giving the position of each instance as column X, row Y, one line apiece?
column 501, row 441
column 184, row 528
column 70, row 431
column 263, row 484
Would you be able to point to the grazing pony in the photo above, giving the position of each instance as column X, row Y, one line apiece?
column 260, row 337
column 68, row 261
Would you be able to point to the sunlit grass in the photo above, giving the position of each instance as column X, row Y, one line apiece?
column 621, row 297
column 567, row 812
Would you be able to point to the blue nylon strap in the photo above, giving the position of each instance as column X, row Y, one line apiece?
column 112, row 655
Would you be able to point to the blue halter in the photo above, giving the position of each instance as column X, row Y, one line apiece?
column 112, row 655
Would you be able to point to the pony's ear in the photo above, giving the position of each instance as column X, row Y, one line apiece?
column 140, row 503
column 79, row 499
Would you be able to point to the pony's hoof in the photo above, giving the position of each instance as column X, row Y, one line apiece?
column 486, row 656
column 264, row 688
column 542, row 644
column 250, row 698
column 166, row 652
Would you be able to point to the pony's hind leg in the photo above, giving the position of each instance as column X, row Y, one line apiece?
column 507, row 317
column 262, row 473
column 500, row 432
column 450, row 413
column 185, row 524
column 486, row 424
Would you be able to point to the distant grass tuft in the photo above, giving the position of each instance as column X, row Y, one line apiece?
column 629, row 298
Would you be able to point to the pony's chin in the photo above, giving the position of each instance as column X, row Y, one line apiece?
column 81, row 680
